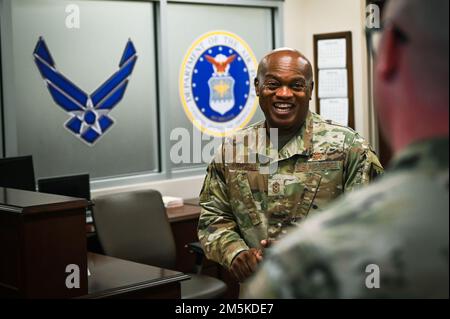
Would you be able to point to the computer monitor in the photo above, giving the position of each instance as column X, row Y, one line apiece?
column 71, row 185
column 17, row 172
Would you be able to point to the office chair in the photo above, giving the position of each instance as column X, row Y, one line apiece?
column 134, row 226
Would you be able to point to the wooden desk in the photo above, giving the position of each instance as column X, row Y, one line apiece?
column 184, row 222
column 116, row 278
column 185, row 212
column 40, row 235
column 192, row 201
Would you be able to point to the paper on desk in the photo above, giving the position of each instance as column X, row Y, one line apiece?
column 332, row 83
column 170, row 201
column 335, row 110
column 331, row 53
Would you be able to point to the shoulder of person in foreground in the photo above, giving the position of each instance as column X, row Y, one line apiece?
column 389, row 240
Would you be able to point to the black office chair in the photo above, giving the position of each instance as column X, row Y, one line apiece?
column 134, row 226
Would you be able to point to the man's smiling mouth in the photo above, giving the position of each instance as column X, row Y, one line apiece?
column 283, row 107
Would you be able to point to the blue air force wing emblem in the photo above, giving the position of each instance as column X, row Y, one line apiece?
column 89, row 112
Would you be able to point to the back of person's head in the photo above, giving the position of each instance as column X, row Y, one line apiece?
column 425, row 24
column 411, row 71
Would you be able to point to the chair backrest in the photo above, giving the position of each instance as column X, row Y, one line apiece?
column 134, row 226
column 70, row 185
column 17, row 172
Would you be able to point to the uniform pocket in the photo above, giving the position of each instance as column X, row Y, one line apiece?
column 323, row 180
column 242, row 200
column 311, row 183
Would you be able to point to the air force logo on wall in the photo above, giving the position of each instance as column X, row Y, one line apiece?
column 89, row 113
column 216, row 83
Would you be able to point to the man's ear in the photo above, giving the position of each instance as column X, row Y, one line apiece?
column 389, row 55
column 311, row 88
column 256, row 86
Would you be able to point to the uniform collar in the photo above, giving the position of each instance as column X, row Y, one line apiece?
column 427, row 154
column 300, row 144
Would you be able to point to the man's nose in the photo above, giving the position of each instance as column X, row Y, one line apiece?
column 284, row 92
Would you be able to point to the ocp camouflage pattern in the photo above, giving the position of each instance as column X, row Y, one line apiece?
column 253, row 192
column 396, row 229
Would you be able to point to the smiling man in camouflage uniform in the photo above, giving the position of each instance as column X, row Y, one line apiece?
column 257, row 187
column 391, row 239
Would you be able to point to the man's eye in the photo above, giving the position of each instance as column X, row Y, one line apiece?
column 298, row 86
column 272, row 85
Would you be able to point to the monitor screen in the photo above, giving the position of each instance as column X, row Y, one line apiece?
column 73, row 186
column 17, row 172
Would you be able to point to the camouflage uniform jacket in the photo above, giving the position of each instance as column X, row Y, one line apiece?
column 243, row 204
column 392, row 235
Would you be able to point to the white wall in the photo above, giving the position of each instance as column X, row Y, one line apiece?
column 304, row 18
column 188, row 187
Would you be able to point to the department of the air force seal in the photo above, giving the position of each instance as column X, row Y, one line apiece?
column 216, row 83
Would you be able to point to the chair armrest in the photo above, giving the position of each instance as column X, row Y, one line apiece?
column 197, row 249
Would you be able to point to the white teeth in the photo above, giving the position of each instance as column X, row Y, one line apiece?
column 283, row 105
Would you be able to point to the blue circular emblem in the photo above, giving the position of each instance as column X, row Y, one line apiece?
column 216, row 86
column 236, row 80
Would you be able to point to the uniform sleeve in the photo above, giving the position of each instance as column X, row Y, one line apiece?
column 361, row 164
column 217, row 228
